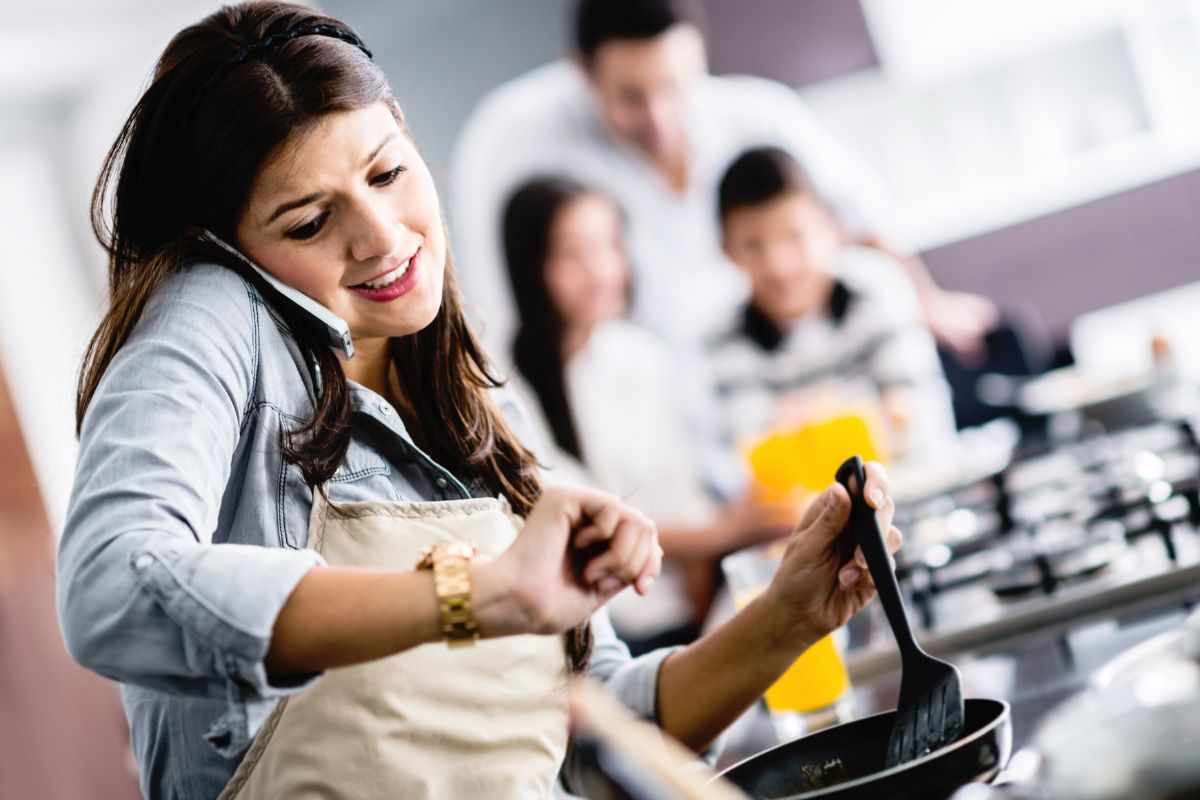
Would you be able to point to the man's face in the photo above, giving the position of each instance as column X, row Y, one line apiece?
column 641, row 86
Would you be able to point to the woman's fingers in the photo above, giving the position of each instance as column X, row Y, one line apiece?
column 877, row 481
column 851, row 575
column 829, row 520
column 651, row 571
column 603, row 519
column 637, row 564
column 630, row 541
column 878, row 492
column 817, row 506
column 856, row 575
column 621, row 557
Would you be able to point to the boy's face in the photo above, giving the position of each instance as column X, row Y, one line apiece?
column 787, row 248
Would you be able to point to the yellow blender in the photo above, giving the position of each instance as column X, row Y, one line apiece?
column 793, row 465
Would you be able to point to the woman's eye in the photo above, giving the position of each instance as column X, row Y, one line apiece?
column 309, row 229
column 387, row 177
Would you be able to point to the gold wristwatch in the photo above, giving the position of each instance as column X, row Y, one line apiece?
column 450, row 562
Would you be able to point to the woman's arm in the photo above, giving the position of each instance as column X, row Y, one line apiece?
column 145, row 595
column 339, row 616
column 809, row 598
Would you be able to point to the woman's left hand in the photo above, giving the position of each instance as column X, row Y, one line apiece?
column 810, row 595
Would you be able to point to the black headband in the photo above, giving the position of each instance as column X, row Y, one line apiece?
column 267, row 43
column 314, row 29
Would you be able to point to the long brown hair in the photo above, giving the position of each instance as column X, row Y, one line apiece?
column 227, row 94
column 529, row 216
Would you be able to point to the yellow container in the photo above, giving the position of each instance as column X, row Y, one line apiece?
column 814, row 681
column 789, row 465
column 786, row 464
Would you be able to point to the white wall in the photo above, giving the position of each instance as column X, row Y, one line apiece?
column 69, row 73
column 442, row 57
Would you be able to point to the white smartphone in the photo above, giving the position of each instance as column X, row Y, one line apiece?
column 335, row 327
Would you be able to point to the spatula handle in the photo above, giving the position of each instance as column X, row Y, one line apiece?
column 862, row 529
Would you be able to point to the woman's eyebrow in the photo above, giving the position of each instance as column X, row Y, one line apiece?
column 289, row 205
column 303, row 201
column 367, row 161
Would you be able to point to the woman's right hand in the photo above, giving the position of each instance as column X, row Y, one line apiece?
column 536, row 586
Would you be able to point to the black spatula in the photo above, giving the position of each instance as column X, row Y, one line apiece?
column 930, row 712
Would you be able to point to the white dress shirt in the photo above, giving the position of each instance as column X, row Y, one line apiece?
column 546, row 123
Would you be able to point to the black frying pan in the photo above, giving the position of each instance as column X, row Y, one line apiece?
column 846, row 761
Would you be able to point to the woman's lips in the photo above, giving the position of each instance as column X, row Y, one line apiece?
column 397, row 288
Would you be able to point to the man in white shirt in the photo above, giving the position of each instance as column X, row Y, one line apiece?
column 636, row 114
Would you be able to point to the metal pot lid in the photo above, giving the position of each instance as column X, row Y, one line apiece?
column 1134, row 732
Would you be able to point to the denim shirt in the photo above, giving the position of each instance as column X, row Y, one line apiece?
column 186, row 529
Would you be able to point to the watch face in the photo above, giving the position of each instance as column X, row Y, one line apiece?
column 460, row 549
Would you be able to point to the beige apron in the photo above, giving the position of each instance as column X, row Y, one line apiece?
column 483, row 721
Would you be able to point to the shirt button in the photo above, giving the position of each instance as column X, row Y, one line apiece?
column 442, row 482
column 143, row 561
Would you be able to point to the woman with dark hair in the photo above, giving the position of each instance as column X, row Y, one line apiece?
column 294, row 480
column 611, row 395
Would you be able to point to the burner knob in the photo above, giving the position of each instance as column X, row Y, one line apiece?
column 1046, row 576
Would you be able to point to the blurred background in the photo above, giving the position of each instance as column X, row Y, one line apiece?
column 1044, row 154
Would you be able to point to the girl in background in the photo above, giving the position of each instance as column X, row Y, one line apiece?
column 614, row 399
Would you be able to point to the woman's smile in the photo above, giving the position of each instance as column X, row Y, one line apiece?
column 392, row 283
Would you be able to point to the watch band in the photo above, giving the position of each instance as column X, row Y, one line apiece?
column 452, row 583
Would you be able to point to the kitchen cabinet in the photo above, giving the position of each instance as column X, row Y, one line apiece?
column 797, row 42
column 981, row 115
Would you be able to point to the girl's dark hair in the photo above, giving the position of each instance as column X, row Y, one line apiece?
column 759, row 176
column 227, row 95
column 600, row 21
column 529, row 218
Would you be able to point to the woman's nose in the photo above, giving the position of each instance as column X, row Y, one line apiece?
column 376, row 232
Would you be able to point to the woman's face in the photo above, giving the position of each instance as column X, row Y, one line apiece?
column 347, row 213
column 585, row 264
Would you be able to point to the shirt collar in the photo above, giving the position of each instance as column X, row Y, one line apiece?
column 761, row 330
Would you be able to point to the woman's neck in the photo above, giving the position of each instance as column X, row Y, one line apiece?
column 372, row 367
column 371, row 364
column 575, row 339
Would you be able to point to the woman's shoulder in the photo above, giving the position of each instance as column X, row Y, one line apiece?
column 206, row 315
column 207, row 284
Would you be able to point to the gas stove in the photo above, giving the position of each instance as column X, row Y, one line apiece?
column 1106, row 525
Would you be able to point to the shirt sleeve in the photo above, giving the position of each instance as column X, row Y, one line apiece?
column 145, row 595
column 485, row 167
column 634, row 682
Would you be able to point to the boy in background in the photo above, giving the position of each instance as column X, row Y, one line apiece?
column 826, row 324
